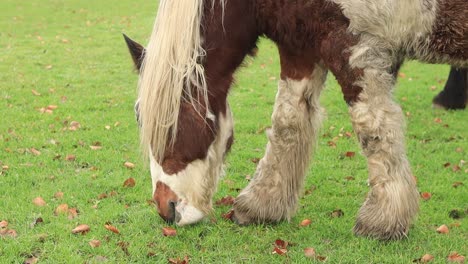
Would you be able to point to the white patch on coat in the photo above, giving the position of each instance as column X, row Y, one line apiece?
column 196, row 184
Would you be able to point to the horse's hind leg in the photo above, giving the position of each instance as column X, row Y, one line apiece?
column 367, row 81
column 273, row 192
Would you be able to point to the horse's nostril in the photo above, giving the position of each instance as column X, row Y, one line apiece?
column 171, row 214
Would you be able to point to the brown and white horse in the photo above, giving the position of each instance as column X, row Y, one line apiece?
column 187, row 70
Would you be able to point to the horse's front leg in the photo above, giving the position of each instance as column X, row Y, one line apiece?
column 367, row 80
column 273, row 192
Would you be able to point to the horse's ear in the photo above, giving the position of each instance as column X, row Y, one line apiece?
column 136, row 50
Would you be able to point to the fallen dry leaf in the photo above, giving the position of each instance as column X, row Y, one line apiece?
column 112, row 228
column 169, row 231
column 350, row 154
column 309, row 252
column 3, row 224
column 426, row 258
column 426, row 196
column 36, row 222
column 81, row 229
column 74, row 125
column 72, row 213
column 70, row 157
column 124, row 246
column 95, row 147
column 35, row 152
column 31, row 260
column 455, row 257
column 447, row 164
column 8, row 233
column 58, row 195
column 227, row 200
column 443, row 229
column 39, row 201
column 337, row 213
column 280, row 251
column 95, row 243
column 228, row 215
column 36, row 93
column 129, row 183
column 61, row 209
column 185, row 260
column 305, row 222
column 129, row 165
column 102, row 196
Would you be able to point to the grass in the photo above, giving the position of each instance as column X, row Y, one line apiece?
column 72, row 53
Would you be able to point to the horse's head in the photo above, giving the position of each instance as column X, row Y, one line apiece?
column 186, row 173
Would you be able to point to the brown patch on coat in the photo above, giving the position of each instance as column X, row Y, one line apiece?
column 450, row 32
column 307, row 32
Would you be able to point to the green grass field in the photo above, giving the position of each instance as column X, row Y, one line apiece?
column 64, row 63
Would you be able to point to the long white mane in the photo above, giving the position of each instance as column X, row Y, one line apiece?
column 171, row 70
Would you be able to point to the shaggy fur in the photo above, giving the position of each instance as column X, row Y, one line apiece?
column 273, row 193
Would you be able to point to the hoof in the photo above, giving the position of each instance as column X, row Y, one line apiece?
column 396, row 232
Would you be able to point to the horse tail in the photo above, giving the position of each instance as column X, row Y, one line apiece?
column 171, row 72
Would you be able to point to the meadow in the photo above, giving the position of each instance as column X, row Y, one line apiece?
column 69, row 145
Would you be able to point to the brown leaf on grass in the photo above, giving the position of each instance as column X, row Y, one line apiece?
column 58, row 195
column 350, row 154
column 129, row 165
column 309, row 252
column 51, row 107
column 124, row 246
column 228, row 215
column 426, row 196
column 443, row 229
column 280, row 251
column 169, row 231
column 437, row 120
column 447, row 164
column 35, row 152
column 3, row 224
column 321, row 258
column 456, row 168
column 70, row 157
column 74, row 125
column 424, row 259
column 36, row 222
column 185, row 260
column 455, row 257
column 402, row 75
column 61, row 209
column 112, row 228
column 95, row 243
column 129, row 183
column 72, row 213
column 337, row 213
column 81, row 229
column 349, row 178
column 8, row 233
column 310, row 190
column 36, row 93
column 31, row 260
column 102, row 196
column 92, row 147
column 39, row 201
column 331, row 144
column 226, row 200
column 255, row 160
column 305, row 222
column 280, row 247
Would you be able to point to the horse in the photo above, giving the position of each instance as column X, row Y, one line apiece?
column 455, row 93
column 187, row 68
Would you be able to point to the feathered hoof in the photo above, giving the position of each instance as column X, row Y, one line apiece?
column 384, row 233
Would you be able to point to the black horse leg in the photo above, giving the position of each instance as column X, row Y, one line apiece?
column 455, row 93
